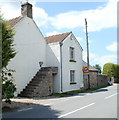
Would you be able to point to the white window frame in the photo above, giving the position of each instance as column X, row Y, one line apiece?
column 72, row 76
column 72, row 56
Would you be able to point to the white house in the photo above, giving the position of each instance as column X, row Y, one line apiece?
column 30, row 46
column 62, row 51
column 67, row 55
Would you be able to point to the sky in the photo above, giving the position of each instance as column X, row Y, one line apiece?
column 69, row 15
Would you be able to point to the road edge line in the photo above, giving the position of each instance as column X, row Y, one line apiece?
column 24, row 109
column 76, row 110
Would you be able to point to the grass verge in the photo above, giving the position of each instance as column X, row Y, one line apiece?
column 75, row 92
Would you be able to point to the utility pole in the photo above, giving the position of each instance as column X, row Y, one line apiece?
column 87, row 52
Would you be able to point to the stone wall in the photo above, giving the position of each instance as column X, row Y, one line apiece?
column 85, row 81
column 114, row 80
column 102, row 80
column 95, row 80
column 42, row 83
column 45, row 87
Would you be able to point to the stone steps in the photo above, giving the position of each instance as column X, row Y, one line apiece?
column 41, row 84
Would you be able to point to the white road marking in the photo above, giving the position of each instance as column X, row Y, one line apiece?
column 25, row 109
column 111, row 96
column 47, row 104
column 76, row 110
column 64, row 100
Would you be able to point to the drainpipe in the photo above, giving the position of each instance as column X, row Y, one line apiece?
column 61, row 44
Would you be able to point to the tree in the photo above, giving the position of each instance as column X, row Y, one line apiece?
column 116, row 70
column 108, row 69
column 7, row 44
column 7, row 52
column 98, row 67
column 8, row 87
column 112, row 70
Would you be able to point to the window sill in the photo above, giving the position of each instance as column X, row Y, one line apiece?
column 73, row 83
column 72, row 61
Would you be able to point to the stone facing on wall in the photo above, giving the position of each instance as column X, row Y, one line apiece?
column 102, row 80
column 42, row 83
column 95, row 80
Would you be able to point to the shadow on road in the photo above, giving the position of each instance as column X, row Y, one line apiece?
column 30, row 111
column 85, row 93
column 100, row 90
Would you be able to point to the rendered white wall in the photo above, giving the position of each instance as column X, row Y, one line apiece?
column 67, row 66
column 31, row 48
column 53, row 59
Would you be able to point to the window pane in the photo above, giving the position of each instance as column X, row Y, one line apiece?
column 71, row 53
column 72, row 76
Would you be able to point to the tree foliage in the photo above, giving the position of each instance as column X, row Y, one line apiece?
column 112, row 70
column 7, row 52
column 8, row 87
column 98, row 67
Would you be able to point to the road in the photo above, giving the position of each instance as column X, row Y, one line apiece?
column 97, row 104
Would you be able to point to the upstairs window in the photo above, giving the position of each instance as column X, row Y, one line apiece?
column 71, row 53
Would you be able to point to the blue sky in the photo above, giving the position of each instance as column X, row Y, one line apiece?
column 60, row 17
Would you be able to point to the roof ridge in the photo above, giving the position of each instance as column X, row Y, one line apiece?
column 14, row 18
column 57, row 37
column 59, row 34
column 14, row 21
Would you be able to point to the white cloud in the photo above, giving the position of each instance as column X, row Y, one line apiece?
column 52, row 33
column 93, row 57
column 112, row 47
column 111, row 58
column 57, row 0
column 79, row 39
column 98, row 19
column 10, row 11
column 40, row 16
column 101, row 60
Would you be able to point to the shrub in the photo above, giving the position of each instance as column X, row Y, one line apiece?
column 8, row 86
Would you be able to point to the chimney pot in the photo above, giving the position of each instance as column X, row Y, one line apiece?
column 26, row 10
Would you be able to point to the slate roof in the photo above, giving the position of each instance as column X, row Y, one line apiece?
column 14, row 21
column 57, row 38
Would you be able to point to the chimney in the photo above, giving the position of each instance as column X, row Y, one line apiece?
column 26, row 10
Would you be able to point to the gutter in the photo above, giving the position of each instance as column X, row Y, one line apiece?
column 61, row 44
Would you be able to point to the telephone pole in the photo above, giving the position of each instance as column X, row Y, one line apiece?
column 87, row 52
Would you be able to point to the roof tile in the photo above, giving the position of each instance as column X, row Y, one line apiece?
column 57, row 38
column 14, row 21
